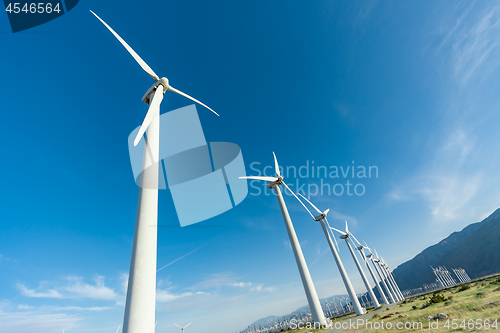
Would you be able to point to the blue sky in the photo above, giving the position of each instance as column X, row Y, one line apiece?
column 409, row 87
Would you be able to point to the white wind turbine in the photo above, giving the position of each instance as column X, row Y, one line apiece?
column 324, row 223
column 141, row 293
column 392, row 279
column 361, row 248
column 182, row 328
column 312, row 296
column 389, row 282
column 346, row 235
column 374, row 261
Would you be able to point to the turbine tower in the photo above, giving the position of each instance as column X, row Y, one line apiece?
column 380, row 291
column 389, row 283
column 324, row 223
column 312, row 297
column 139, row 314
column 346, row 236
column 377, row 268
column 392, row 279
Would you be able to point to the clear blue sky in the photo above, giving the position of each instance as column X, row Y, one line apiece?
column 410, row 87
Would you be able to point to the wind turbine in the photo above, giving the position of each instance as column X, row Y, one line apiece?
column 346, row 235
column 384, row 273
column 361, row 248
column 392, row 280
column 374, row 261
column 312, row 296
column 321, row 218
column 141, row 293
column 182, row 328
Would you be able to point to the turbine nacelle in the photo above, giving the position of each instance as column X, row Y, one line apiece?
column 147, row 96
column 277, row 182
column 319, row 217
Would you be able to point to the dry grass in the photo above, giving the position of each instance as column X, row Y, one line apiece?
column 481, row 301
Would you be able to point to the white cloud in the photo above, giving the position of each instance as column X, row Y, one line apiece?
column 74, row 288
column 39, row 321
column 260, row 287
column 446, row 182
column 43, row 294
column 447, row 194
column 469, row 39
column 98, row 291
column 166, row 296
column 241, row 284
column 24, row 307
column 216, row 281
column 79, row 308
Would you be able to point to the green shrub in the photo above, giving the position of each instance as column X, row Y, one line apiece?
column 464, row 287
column 437, row 298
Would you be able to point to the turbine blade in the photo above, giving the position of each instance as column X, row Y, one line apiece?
column 334, row 238
column 154, row 109
column 352, row 242
column 269, row 179
column 346, row 227
column 356, row 240
column 117, row 328
column 141, row 62
column 376, row 253
column 187, row 325
column 178, row 326
column 326, row 211
column 276, row 166
column 311, row 204
column 366, row 247
column 296, row 197
column 337, row 230
column 191, row 98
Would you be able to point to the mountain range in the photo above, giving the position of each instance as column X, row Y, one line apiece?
column 475, row 249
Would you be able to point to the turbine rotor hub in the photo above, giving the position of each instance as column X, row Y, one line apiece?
column 277, row 182
column 164, row 82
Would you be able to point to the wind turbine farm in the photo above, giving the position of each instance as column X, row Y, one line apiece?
column 384, row 120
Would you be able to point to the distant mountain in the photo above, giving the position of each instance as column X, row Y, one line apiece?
column 264, row 321
column 474, row 249
column 479, row 254
column 299, row 312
